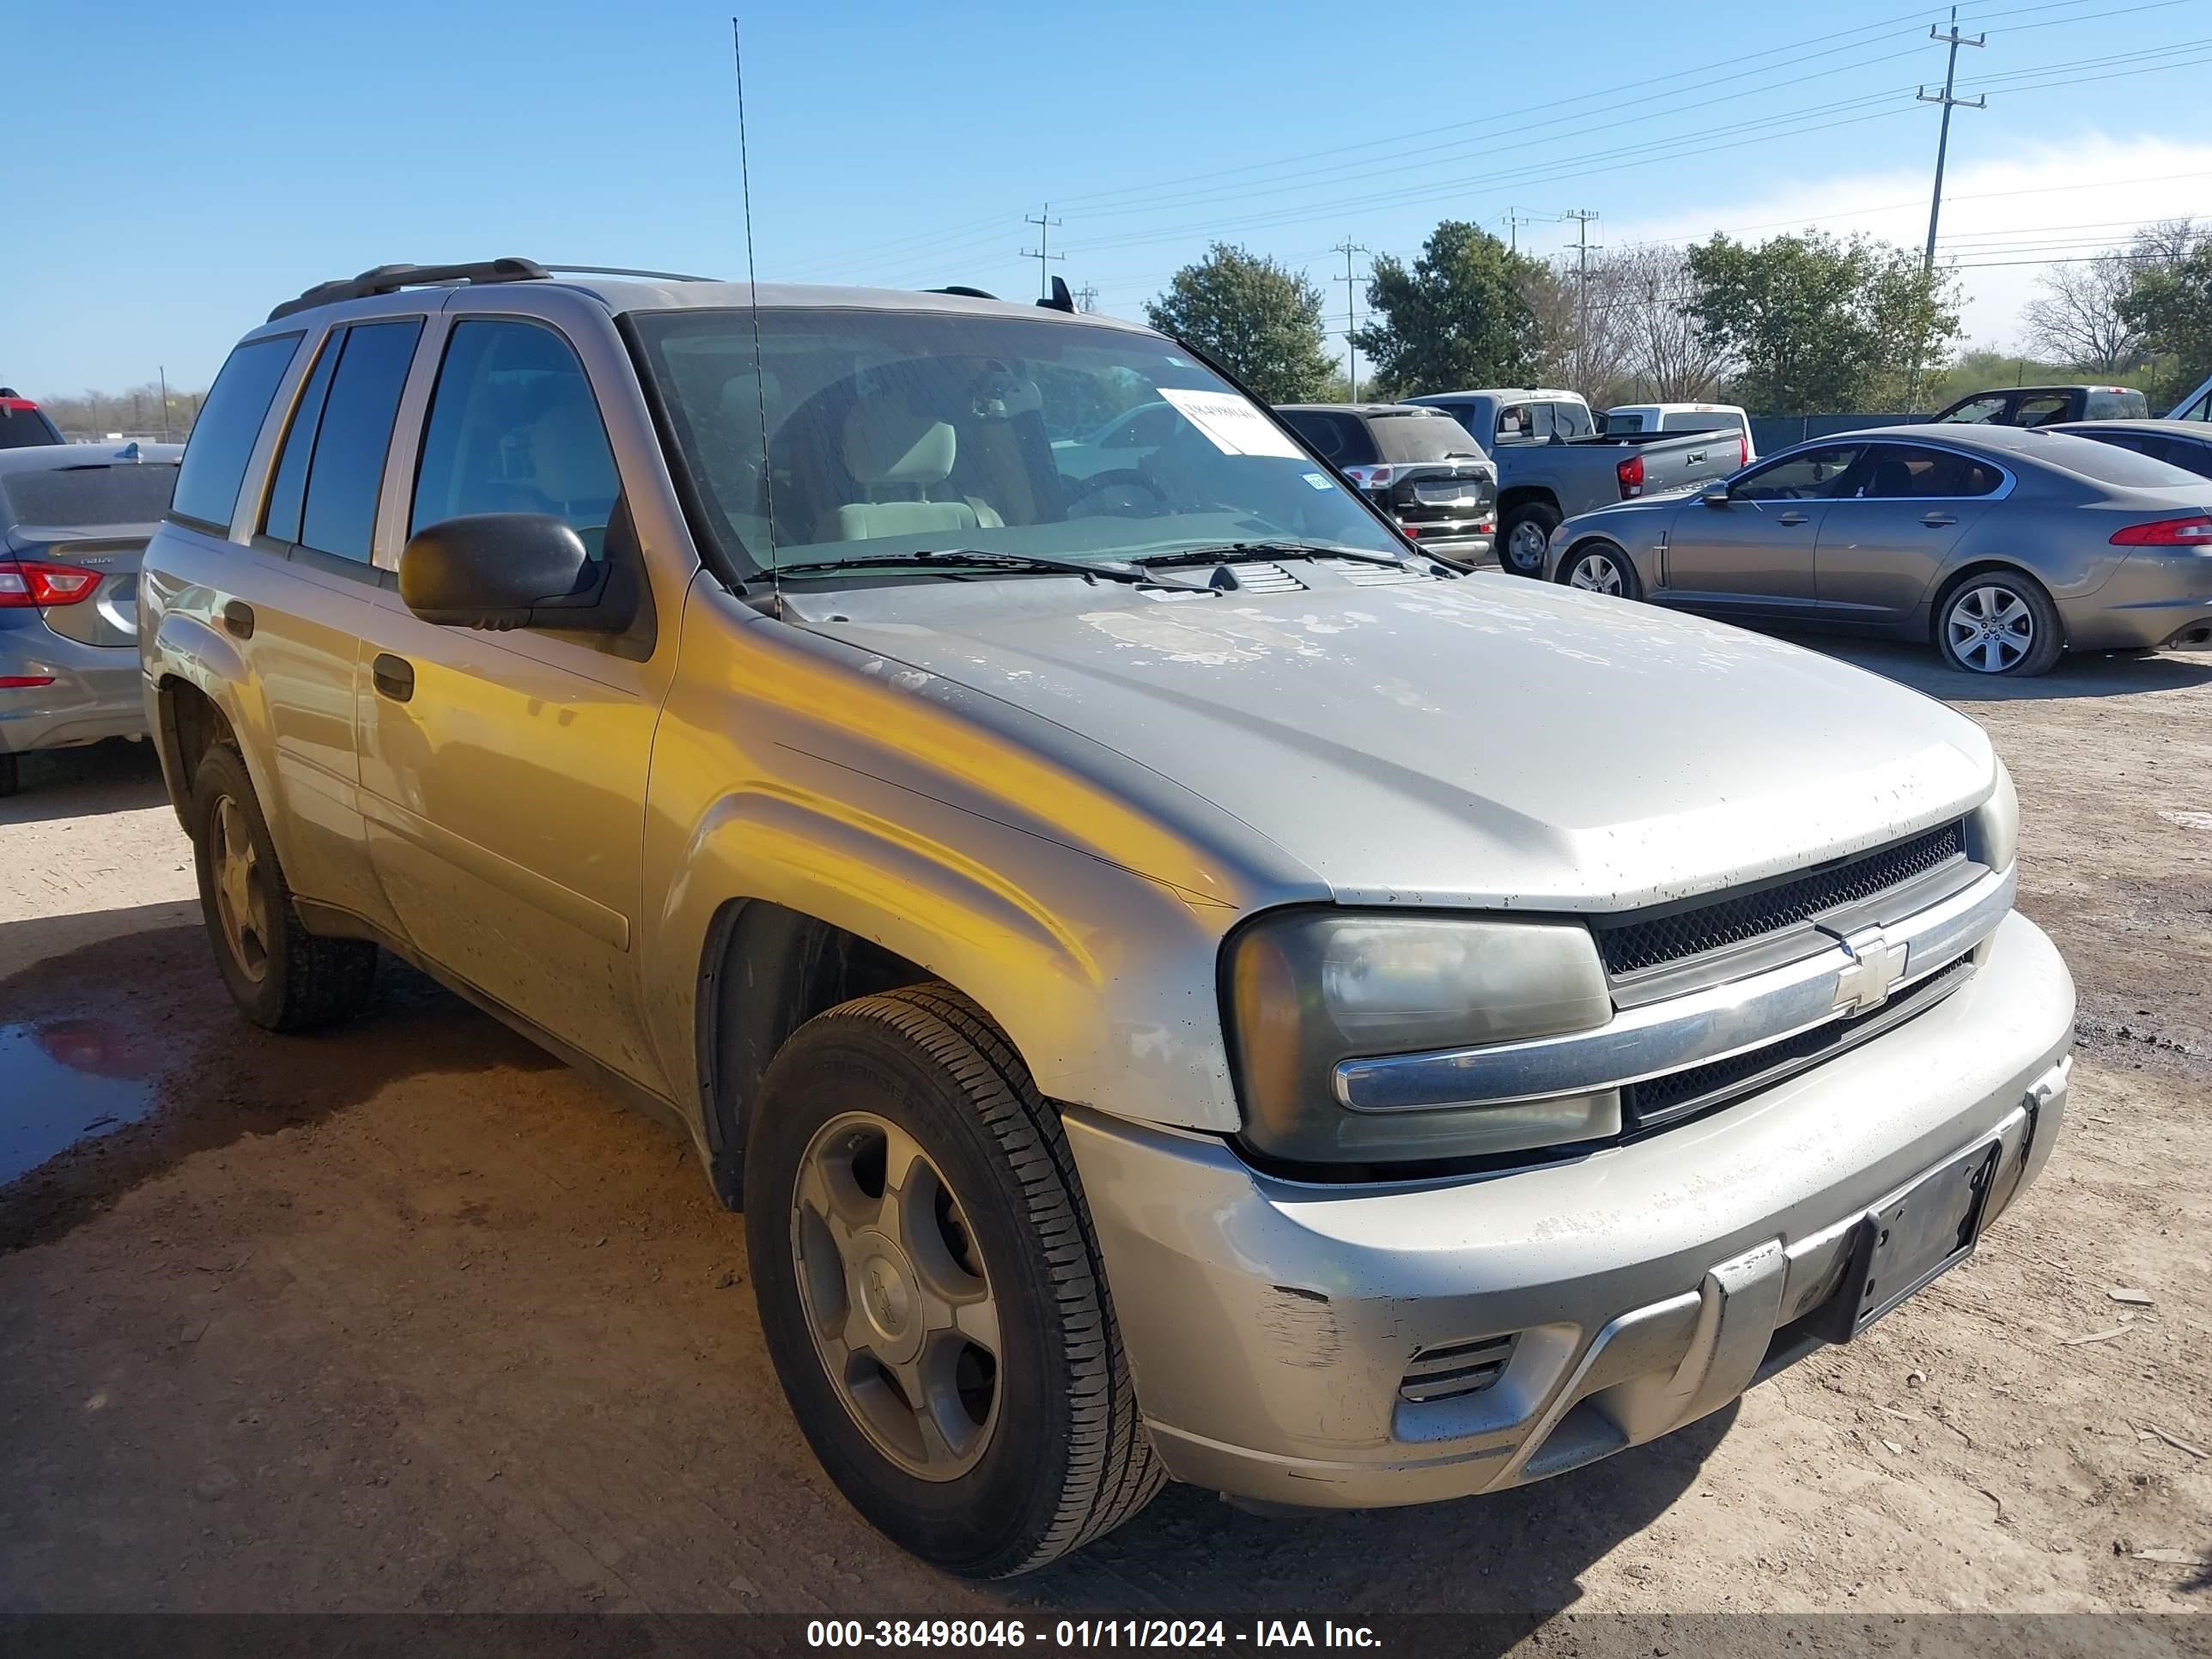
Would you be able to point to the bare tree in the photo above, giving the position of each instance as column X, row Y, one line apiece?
column 1666, row 352
column 2076, row 320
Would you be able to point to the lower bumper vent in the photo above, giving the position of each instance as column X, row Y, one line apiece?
column 1456, row 1369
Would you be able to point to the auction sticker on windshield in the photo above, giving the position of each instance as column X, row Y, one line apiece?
column 1233, row 424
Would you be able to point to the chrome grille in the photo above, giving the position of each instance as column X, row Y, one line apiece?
column 1656, row 1100
column 1634, row 943
column 1455, row 1369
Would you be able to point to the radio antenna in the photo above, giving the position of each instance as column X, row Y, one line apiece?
column 752, row 284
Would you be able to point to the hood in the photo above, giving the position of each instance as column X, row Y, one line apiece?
column 1487, row 741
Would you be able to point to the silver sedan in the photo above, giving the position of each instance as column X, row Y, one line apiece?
column 2002, row 546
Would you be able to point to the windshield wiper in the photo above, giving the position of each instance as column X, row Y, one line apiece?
column 949, row 559
column 1239, row 552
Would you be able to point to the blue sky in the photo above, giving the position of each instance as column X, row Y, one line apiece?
column 904, row 145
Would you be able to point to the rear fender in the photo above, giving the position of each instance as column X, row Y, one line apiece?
column 185, row 648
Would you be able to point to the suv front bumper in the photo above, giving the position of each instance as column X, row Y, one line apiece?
column 1271, row 1324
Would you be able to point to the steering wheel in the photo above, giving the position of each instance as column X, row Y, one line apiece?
column 1129, row 505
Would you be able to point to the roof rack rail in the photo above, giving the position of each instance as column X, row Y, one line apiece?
column 624, row 271
column 389, row 279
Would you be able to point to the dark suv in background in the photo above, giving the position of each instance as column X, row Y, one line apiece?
column 23, row 423
column 1420, row 465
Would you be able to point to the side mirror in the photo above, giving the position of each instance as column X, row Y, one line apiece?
column 1716, row 497
column 502, row 570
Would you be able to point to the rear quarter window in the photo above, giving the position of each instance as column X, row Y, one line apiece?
column 222, row 438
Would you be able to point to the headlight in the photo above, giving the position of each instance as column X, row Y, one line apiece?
column 1993, row 831
column 1306, row 989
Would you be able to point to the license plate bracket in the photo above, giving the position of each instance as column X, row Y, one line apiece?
column 1913, row 1239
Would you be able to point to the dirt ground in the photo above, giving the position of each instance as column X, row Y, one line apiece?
column 411, row 1317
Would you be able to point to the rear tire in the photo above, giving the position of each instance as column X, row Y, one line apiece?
column 990, row 1446
column 283, row 977
column 1524, row 536
column 1998, row 624
column 1599, row 568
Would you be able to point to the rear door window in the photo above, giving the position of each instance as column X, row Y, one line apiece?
column 1570, row 420
column 1907, row 472
column 2041, row 408
column 514, row 427
column 353, row 436
column 229, row 424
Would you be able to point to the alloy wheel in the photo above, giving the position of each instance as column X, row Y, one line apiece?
column 1991, row 629
column 896, row 1296
column 1596, row 573
column 241, row 894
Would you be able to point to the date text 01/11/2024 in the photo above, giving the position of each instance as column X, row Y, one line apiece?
column 1086, row 1633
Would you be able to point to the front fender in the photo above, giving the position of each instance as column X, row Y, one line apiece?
column 1104, row 979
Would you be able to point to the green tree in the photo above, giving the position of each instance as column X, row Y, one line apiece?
column 1460, row 315
column 1259, row 318
column 1815, row 324
column 2170, row 305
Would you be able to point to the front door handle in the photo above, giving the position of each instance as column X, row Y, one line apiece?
column 394, row 676
column 238, row 618
column 1936, row 520
column 1790, row 518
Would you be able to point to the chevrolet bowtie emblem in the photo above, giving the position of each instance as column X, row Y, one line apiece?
column 1875, row 966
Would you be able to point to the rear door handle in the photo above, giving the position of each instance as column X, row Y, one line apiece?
column 1936, row 520
column 238, row 618
column 1790, row 518
column 394, row 676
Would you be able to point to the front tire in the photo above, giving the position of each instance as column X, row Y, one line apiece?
column 283, row 977
column 1599, row 568
column 1523, row 538
column 1998, row 623
column 931, row 1291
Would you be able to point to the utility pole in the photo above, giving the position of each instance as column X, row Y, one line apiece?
column 1582, row 216
column 164, row 372
column 1349, row 248
column 1516, row 217
column 1041, row 252
column 1086, row 297
column 1954, row 40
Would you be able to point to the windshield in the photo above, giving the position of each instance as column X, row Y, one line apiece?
column 888, row 432
column 23, row 424
column 90, row 494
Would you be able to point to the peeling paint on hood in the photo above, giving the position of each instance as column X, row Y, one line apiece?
column 1480, row 742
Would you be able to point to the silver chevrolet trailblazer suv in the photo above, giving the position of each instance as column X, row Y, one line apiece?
column 1153, row 1025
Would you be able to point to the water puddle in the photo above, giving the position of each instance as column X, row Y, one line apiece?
column 66, row 1081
